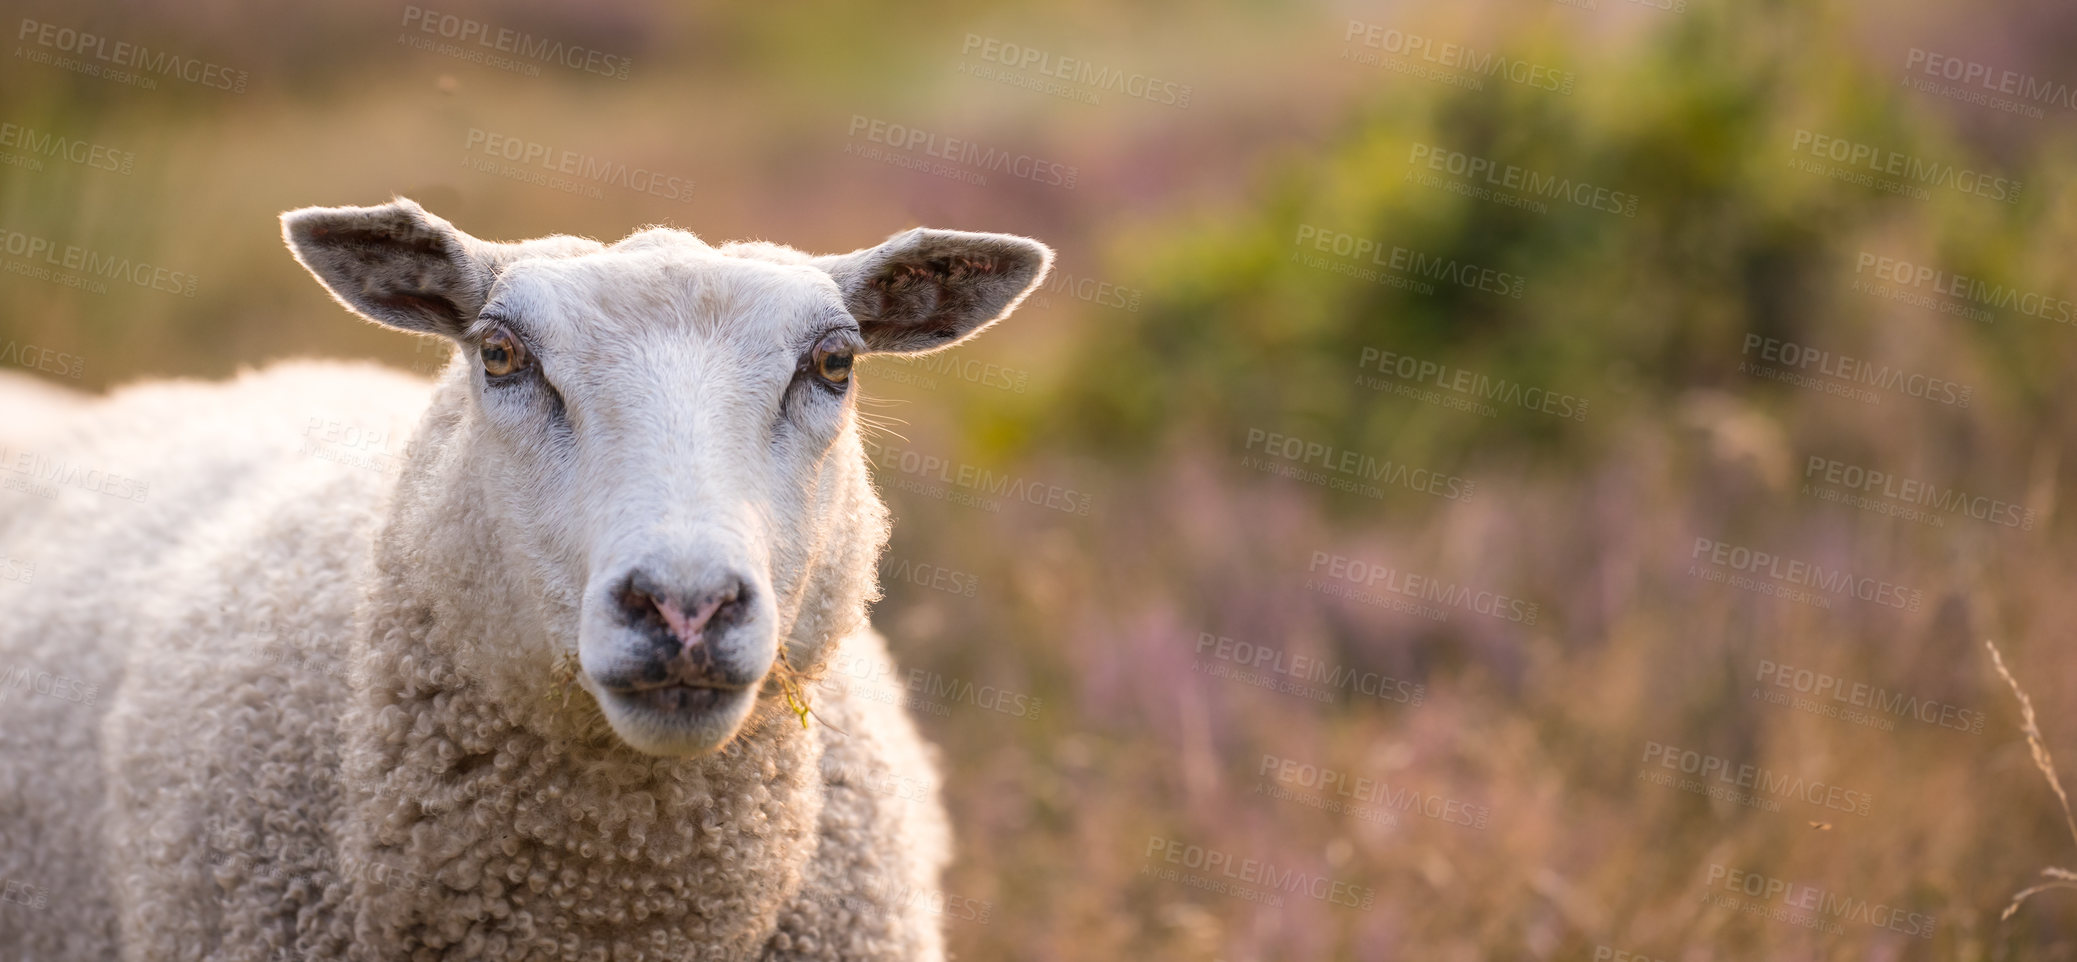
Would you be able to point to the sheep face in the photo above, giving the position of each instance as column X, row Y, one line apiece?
column 666, row 433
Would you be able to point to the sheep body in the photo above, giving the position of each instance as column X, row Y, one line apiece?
column 282, row 757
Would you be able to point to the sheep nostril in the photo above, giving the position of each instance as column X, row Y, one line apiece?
column 637, row 600
column 685, row 618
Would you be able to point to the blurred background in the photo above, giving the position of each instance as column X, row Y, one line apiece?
column 1512, row 480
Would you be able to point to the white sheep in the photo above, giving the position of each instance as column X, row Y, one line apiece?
column 514, row 688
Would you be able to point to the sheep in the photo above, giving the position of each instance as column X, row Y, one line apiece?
column 511, row 665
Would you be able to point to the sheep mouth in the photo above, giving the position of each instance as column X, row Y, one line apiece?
column 678, row 698
column 673, row 708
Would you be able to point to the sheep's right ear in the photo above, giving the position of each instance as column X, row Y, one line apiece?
column 395, row 264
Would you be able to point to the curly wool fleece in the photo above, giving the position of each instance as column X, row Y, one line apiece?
column 267, row 773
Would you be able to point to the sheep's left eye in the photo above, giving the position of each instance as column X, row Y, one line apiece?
column 832, row 359
column 502, row 353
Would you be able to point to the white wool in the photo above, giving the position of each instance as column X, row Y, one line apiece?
column 296, row 690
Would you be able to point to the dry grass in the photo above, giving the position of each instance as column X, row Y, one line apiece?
column 2063, row 878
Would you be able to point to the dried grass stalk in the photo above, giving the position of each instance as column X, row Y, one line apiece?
column 2064, row 878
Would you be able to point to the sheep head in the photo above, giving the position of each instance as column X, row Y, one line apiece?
column 667, row 433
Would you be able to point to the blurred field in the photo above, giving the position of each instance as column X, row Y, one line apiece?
column 1203, row 309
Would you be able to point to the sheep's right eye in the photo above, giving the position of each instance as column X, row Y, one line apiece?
column 502, row 354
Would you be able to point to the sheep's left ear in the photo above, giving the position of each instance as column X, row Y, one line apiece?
column 926, row 289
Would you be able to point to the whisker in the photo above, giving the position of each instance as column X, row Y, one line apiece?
column 879, row 427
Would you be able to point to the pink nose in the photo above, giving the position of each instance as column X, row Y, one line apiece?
column 690, row 629
column 684, row 619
